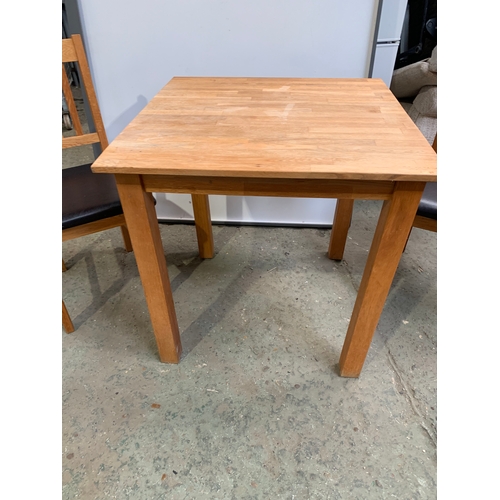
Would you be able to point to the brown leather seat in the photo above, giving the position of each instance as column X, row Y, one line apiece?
column 428, row 203
column 87, row 197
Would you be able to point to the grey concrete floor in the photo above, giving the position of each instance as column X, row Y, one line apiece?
column 255, row 409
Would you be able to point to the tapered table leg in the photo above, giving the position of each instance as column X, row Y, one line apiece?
column 394, row 225
column 140, row 215
column 201, row 209
column 341, row 223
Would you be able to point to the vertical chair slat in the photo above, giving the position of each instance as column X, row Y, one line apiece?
column 68, row 95
column 89, row 89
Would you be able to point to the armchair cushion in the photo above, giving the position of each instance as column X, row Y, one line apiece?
column 433, row 60
column 426, row 101
column 407, row 81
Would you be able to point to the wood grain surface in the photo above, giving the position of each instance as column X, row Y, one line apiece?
column 295, row 128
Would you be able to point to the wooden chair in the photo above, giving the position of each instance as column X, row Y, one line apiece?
column 66, row 320
column 426, row 217
column 90, row 202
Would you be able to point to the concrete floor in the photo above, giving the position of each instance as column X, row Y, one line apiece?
column 256, row 408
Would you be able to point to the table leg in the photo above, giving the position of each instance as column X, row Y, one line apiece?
column 140, row 215
column 341, row 223
column 126, row 238
column 201, row 209
column 394, row 225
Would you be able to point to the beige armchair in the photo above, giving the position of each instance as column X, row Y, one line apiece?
column 415, row 86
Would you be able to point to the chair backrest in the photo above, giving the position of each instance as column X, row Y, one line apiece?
column 74, row 52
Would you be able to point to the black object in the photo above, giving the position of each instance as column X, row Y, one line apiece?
column 88, row 197
column 422, row 32
column 428, row 202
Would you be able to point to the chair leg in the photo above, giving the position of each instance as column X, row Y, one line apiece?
column 64, row 269
column 66, row 320
column 341, row 223
column 126, row 238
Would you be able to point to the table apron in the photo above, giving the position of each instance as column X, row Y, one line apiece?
column 295, row 188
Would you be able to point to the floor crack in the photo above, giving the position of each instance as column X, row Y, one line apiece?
column 354, row 283
column 407, row 392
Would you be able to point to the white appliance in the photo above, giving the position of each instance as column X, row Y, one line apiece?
column 389, row 28
column 136, row 47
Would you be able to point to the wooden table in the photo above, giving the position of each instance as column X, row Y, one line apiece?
column 325, row 138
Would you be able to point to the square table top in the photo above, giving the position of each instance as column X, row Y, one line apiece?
column 297, row 128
